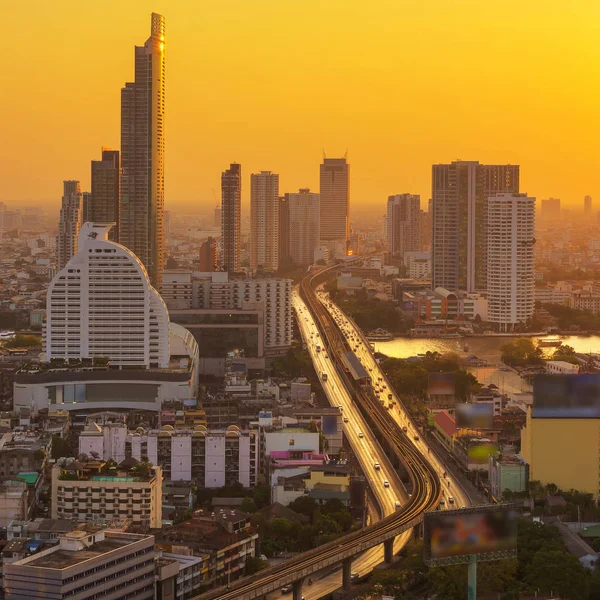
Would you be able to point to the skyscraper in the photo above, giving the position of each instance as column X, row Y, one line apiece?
column 551, row 209
column 208, row 255
column 460, row 193
column 231, row 222
column 335, row 205
column 403, row 224
column 141, row 226
column 511, row 221
column 264, row 221
column 284, row 231
column 304, row 226
column 106, row 185
column 587, row 205
column 217, row 216
column 71, row 212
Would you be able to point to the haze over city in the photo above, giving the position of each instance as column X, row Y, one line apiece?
column 399, row 85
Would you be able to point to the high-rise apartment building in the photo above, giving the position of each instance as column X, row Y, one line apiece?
column 511, row 229
column 231, row 217
column 587, row 205
column 460, row 193
column 86, row 198
column 141, row 225
column 403, row 224
column 208, row 255
column 71, row 213
column 551, row 209
column 304, row 226
column 335, row 204
column 217, row 216
column 264, row 221
column 101, row 303
column 284, row 231
column 106, row 186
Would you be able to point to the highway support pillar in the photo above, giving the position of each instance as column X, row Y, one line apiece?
column 388, row 550
column 347, row 574
column 472, row 579
column 297, row 590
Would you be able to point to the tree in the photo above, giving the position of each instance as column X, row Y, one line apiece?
column 248, row 505
column 522, row 351
column 304, row 505
column 24, row 341
column 110, row 466
column 255, row 564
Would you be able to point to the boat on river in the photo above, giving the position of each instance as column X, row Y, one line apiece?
column 549, row 343
column 379, row 335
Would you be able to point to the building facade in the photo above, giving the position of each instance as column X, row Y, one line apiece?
column 231, row 217
column 460, row 193
column 510, row 271
column 71, row 214
column 106, row 190
column 284, row 231
column 264, row 221
column 403, row 224
column 304, row 233
column 208, row 255
column 335, row 205
column 551, row 209
column 141, row 218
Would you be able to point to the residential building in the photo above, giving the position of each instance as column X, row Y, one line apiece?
column 208, row 255
column 231, row 218
column 284, row 231
column 71, row 212
column 13, row 501
column 587, row 206
column 264, row 221
column 403, row 224
column 561, row 367
column 418, row 264
column 217, row 216
column 460, row 193
column 335, row 205
column 106, row 190
column 192, row 575
column 510, row 271
column 585, row 301
column 507, row 472
column 304, row 225
column 551, row 209
column 86, row 565
column 85, row 491
column 141, row 224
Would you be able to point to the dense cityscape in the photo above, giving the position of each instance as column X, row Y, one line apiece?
column 293, row 399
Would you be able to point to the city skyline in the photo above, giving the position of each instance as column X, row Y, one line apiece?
column 368, row 123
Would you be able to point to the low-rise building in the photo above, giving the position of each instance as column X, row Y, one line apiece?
column 560, row 367
column 507, row 472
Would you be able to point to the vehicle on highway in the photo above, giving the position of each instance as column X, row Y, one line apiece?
column 324, row 376
column 416, row 438
column 442, row 502
column 450, row 500
column 340, row 407
column 377, row 466
column 389, row 396
column 326, row 356
column 345, row 419
column 286, row 589
column 397, row 505
column 386, row 483
column 318, row 347
column 405, row 429
column 361, row 434
column 354, row 576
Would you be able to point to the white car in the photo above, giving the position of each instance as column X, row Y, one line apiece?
column 377, row 466
column 361, row 434
column 386, row 483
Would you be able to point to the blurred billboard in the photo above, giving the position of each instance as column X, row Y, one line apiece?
column 478, row 453
column 474, row 416
column 566, row 396
column 441, row 384
column 329, row 424
column 453, row 536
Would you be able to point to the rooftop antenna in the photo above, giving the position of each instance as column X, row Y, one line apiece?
column 324, row 155
column 346, row 155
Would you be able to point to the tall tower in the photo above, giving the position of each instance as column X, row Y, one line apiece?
column 231, row 208
column 403, row 224
column 264, row 220
column 284, row 231
column 335, row 205
column 106, row 186
column 141, row 225
column 511, row 221
column 71, row 213
column 460, row 193
column 304, row 226
column 587, row 205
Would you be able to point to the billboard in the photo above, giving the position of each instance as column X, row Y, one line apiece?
column 478, row 453
column 566, row 396
column 453, row 536
column 329, row 424
column 441, row 384
column 474, row 416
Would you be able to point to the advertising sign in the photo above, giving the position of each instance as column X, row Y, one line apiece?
column 566, row 396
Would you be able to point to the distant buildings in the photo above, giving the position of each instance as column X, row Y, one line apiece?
column 403, row 224
column 510, row 272
column 208, row 255
column 418, row 264
column 141, row 226
column 264, row 221
column 304, row 225
column 106, row 187
column 335, row 205
column 71, row 212
column 587, row 205
column 284, row 231
column 460, row 193
column 551, row 209
column 231, row 209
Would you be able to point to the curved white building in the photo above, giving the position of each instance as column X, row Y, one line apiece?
column 102, row 304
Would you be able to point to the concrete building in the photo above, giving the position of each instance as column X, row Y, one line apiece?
column 510, row 270
column 284, row 231
column 141, row 220
column 304, row 225
column 264, row 221
column 208, row 255
column 551, row 209
column 335, row 205
column 561, row 367
column 587, row 206
column 217, row 216
column 403, row 224
column 585, row 301
column 71, row 213
column 231, row 217
column 460, row 193
column 106, row 192
column 507, row 472
column 86, row 565
column 418, row 264
column 82, row 491
column 13, row 501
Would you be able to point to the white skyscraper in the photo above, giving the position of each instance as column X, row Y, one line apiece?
column 303, row 226
column 403, row 224
column 511, row 221
column 71, row 214
column 264, row 220
column 102, row 304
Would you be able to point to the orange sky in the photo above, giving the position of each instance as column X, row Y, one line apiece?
column 401, row 84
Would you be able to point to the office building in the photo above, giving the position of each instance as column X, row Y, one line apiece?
column 86, row 491
column 217, row 216
column 71, row 213
column 403, row 224
column 231, row 217
column 418, row 264
column 284, row 231
column 511, row 230
column 264, row 221
column 304, row 226
column 86, row 206
column 335, row 205
column 141, row 225
column 106, row 186
column 551, row 209
column 86, row 564
column 208, row 255
column 167, row 220
column 587, row 205
column 460, row 193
